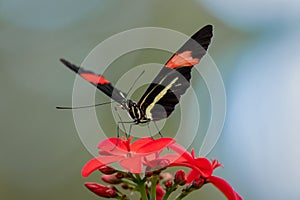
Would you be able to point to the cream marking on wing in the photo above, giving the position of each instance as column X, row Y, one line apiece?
column 153, row 90
column 158, row 97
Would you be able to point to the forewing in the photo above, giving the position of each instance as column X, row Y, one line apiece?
column 172, row 81
column 97, row 80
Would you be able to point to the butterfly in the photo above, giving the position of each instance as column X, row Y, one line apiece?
column 164, row 93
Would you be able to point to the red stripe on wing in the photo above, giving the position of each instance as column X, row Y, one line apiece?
column 95, row 79
column 183, row 59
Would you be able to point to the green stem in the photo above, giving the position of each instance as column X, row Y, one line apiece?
column 166, row 196
column 129, row 183
column 172, row 189
column 141, row 187
column 184, row 193
column 181, row 196
column 153, row 187
column 123, row 198
column 132, row 177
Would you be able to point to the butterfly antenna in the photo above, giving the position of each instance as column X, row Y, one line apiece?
column 80, row 107
column 139, row 76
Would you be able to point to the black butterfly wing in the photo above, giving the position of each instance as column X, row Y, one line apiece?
column 161, row 97
column 97, row 80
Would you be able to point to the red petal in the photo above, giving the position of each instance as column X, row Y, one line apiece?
column 139, row 143
column 224, row 187
column 193, row 174
column 91, row 166
column 98, row 162
column 193, row 153
column 113, row 146
column 215, row 164
column 201, row 165
column 182, row 151
column 155, row 145
column 176, row 160
column 172, row 158
column 156, row 163
column 132, row 164
column 204, row 166
column 184, row 164
column 150, row 157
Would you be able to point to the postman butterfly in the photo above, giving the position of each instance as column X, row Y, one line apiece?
column 163, row 94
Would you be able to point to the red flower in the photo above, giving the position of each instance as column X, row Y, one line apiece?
column 224, row 187
column 220, row 183
column 101, row 190
column 129, row 156
column 186, row 159
column 160, row 192
column 201, row 168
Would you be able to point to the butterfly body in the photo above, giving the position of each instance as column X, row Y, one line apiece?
column 136, row 113
column 164, row 93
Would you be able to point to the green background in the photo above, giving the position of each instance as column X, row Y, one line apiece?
column 41, row 155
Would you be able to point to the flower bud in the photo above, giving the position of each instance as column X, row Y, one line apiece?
column 107, row 170
column 101, row 190
column 149, row 173
column 125, row 186
column 179, row 177
column 156, row 172
column 168, row 184
column 111, row 179
column 198, row 183
column 160, row 192
column 120, row 175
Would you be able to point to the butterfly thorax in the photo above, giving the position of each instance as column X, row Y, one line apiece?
column 136, row 113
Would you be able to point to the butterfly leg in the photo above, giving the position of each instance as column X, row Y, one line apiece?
column 127, row 134
column 120, row 122
column 134, row 123
column 149, row 130
column 158, row 129
column 130, row 128
column 118, row 132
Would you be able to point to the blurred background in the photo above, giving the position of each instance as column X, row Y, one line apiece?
column 255, row 46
